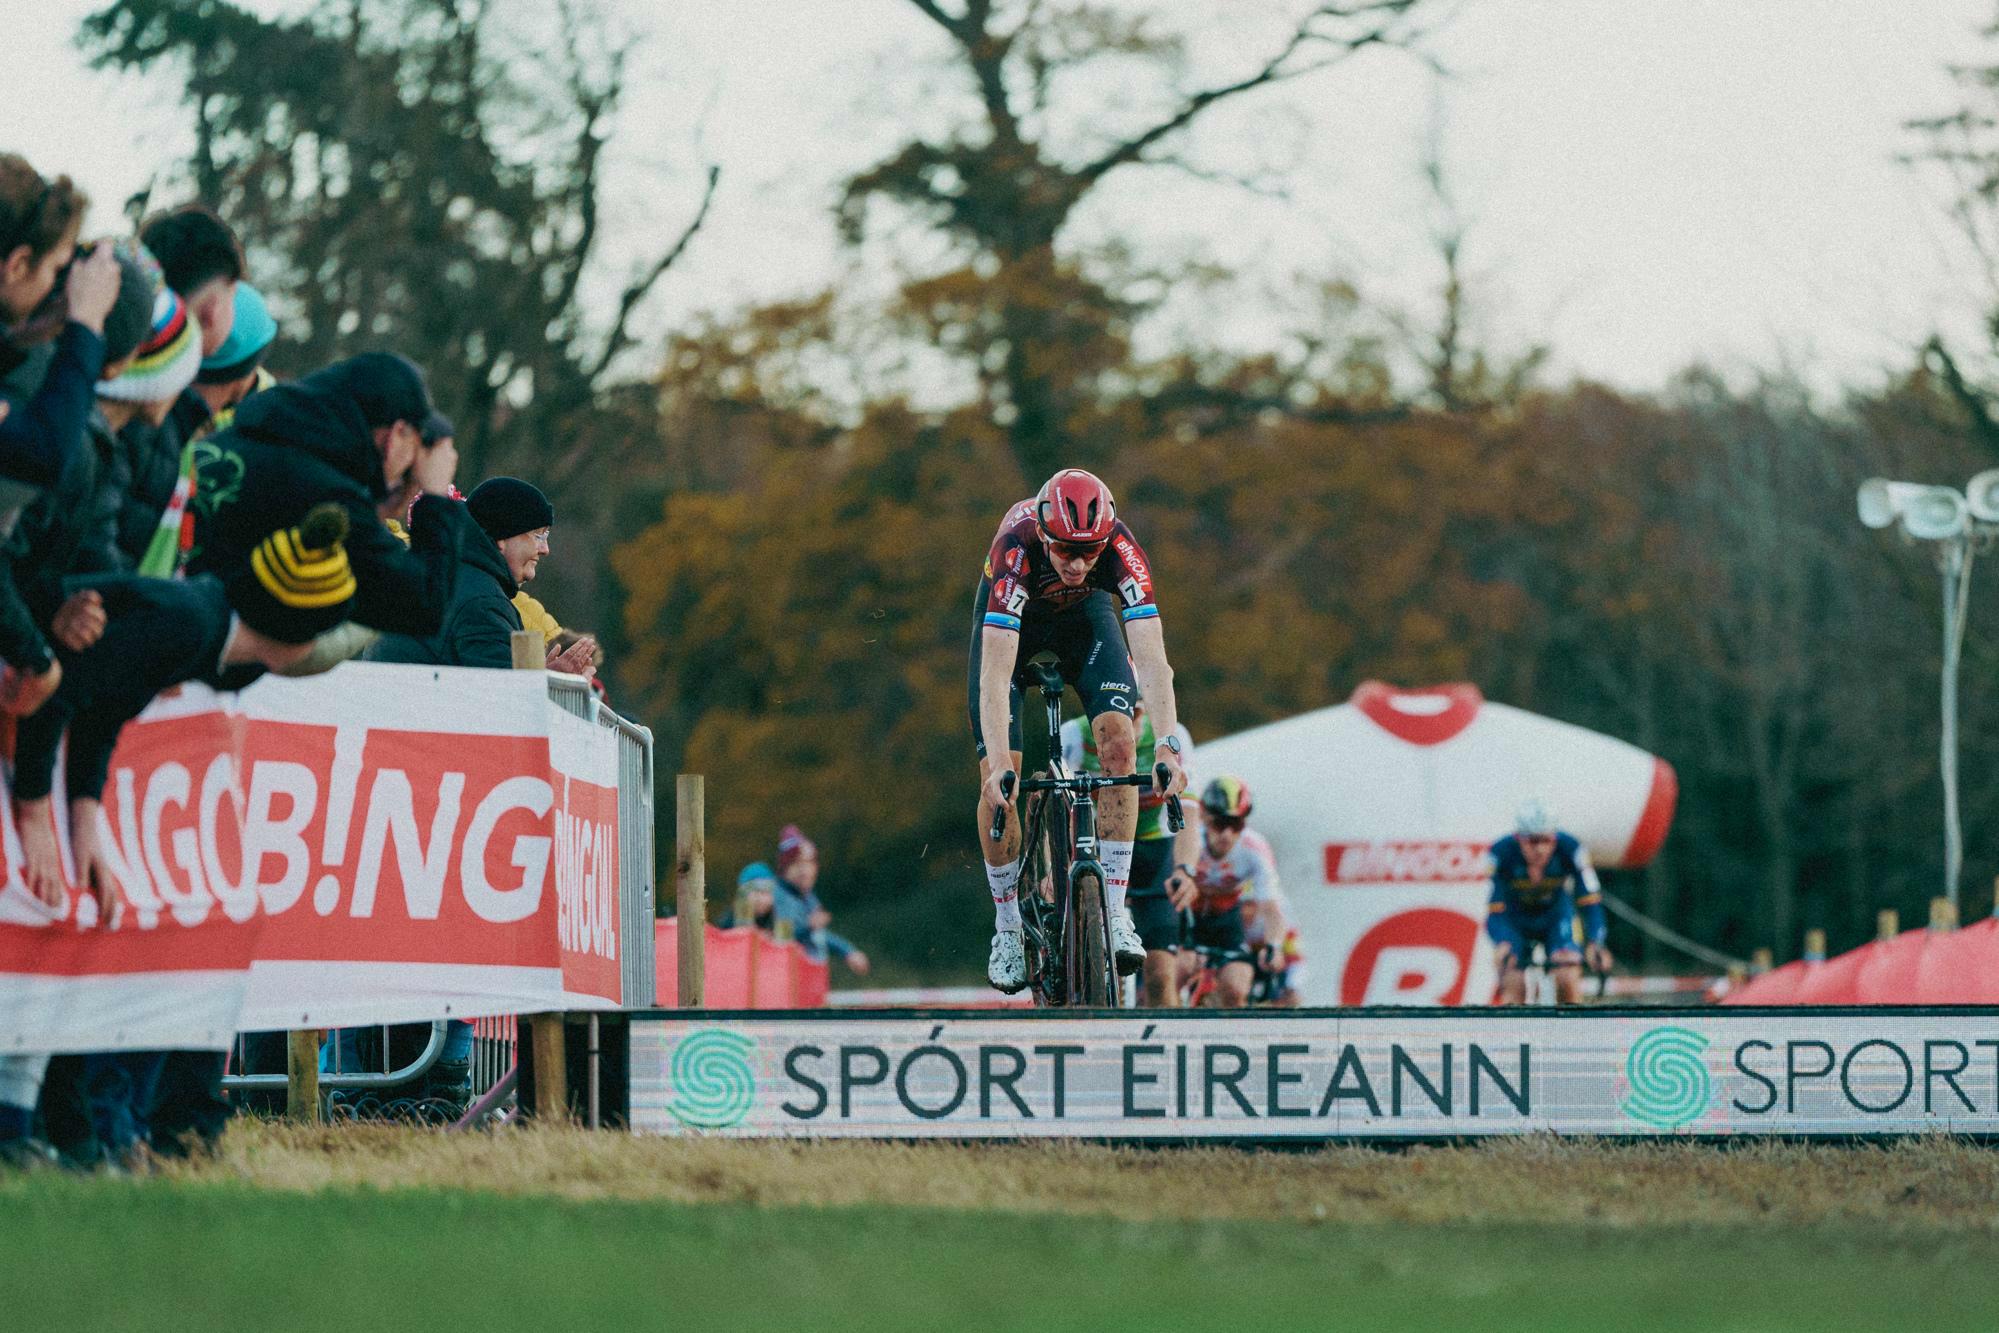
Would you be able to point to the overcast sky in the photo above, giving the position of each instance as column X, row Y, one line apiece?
column 1651, row 182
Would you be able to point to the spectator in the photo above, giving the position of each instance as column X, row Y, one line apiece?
column 68, row 531
column 155, row 463
column 203, row 262
column 795, row 901
column 349, row 434
column 51, row 350
column 756, row 893
column 513, row 519
column 42, row 538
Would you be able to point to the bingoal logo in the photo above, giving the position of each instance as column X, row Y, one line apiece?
column 1419, row 957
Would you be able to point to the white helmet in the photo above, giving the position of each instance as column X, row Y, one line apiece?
column 1533, row 818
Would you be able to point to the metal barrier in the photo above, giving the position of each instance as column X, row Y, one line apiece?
column 341, row 1080
column 637, row 884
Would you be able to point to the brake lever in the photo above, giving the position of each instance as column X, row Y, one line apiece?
column 1162, row 778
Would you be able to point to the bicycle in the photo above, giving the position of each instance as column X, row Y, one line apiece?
column 1069, row 955
column 1199, row 991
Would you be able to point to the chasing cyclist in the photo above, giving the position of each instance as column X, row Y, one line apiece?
column 1236, row 871
column 1541, row 880
column 1162, row 881
column 1064, row 575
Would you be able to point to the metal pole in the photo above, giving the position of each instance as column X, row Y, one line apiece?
column 1956, row 558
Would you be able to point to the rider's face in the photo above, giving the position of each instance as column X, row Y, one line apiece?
column 1223, row 833
column 1538, row 847
column 1072, row 563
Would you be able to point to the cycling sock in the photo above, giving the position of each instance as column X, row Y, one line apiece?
column 1117, row 873
column 1002, row 880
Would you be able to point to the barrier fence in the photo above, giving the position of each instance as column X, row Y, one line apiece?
column 1412, row 1074
column 378, row 845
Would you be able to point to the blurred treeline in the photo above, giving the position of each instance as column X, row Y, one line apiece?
column 777, row 520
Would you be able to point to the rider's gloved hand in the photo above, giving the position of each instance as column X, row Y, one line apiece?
column 1181, row 890
column 1163, row 754
column 995, row 796
column 1597, row 956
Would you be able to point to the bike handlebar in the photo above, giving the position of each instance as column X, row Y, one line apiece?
column 998, row 830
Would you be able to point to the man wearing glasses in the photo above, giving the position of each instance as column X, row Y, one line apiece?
column 1065, row 575
column 1236, row 873
column 1541, row 880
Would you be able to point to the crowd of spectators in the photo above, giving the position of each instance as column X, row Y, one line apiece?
column 171, row 512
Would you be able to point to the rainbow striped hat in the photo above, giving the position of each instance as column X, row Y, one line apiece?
column 167, row 358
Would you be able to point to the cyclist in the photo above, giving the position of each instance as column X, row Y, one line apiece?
column 1236, row 870
column 1541, row 879
column 1065, row 576
column 1162, row 887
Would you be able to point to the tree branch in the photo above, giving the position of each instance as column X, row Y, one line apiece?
column 1976, row 407
column 620, row 338
column 1272, row 71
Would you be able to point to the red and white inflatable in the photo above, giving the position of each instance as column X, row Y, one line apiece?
column 1381, row 810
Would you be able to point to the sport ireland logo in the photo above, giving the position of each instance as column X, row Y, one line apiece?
column 714, row 1081
column 1669, row 1081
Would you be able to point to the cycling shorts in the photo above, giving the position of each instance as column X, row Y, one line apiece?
column 1088, row 643
column 1553, row 928
column 1219, row 930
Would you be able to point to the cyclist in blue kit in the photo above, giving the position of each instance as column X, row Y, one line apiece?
column 1542, row 880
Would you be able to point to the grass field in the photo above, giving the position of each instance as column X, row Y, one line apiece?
column 352, row 1227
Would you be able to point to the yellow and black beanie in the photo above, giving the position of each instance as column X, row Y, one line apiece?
column 299, row 584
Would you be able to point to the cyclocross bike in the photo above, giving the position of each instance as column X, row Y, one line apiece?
column 1064, row 919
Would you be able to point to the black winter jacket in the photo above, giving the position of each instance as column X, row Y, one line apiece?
column 300, row 444
column 67, row 530
column 146, row 468
column 479, row 624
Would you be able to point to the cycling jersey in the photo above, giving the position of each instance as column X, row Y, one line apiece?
column 1567, row 883
column 1255, row 933
column 1248, row 874
column 1079, row 755
column 1021, row 582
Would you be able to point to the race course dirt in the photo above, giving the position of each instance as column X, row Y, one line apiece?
column 1924, row 1184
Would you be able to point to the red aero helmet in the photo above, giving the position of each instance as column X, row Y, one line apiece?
column 1076, row 508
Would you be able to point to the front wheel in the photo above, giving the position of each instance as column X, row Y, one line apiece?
column 1094, row 966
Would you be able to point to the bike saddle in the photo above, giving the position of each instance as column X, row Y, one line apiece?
column 1048, row 670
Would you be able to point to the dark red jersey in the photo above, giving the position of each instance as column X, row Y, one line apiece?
column 1020, row 576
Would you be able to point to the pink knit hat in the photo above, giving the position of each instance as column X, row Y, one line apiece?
column 793, row 844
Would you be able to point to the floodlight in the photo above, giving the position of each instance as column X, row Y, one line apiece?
column 1982, row 494
column 1935, row 514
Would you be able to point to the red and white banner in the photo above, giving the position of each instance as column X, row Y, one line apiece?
column 379, row 844
column 1382, row 811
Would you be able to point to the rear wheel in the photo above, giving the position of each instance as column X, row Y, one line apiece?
column 1094, row 966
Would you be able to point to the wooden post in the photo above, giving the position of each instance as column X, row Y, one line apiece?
column 1815, row 945
column 690, row 887
column 1887, row 924
column 1761, row 961
column 551, row 1069
column 302, row 1069
column 545, row 1044
column 1943, row 914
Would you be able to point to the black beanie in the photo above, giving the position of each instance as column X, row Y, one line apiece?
column 130, row 320
column 298, row 584
column 507, row 506
column 386, row 387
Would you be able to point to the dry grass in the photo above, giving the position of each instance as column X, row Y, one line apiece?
column 1936, row 1183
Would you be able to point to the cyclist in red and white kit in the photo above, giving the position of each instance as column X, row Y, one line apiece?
column 1064, row 575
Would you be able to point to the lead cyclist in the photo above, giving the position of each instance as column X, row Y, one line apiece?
column 1065, row 575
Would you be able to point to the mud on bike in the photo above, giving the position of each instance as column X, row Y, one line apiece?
column 1065, row 920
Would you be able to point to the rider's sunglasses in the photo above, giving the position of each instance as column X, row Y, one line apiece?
column 1072, row 551
column 1225, row 822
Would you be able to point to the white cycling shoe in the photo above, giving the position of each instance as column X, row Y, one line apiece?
column 1006, row 965
column 1130, row 950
